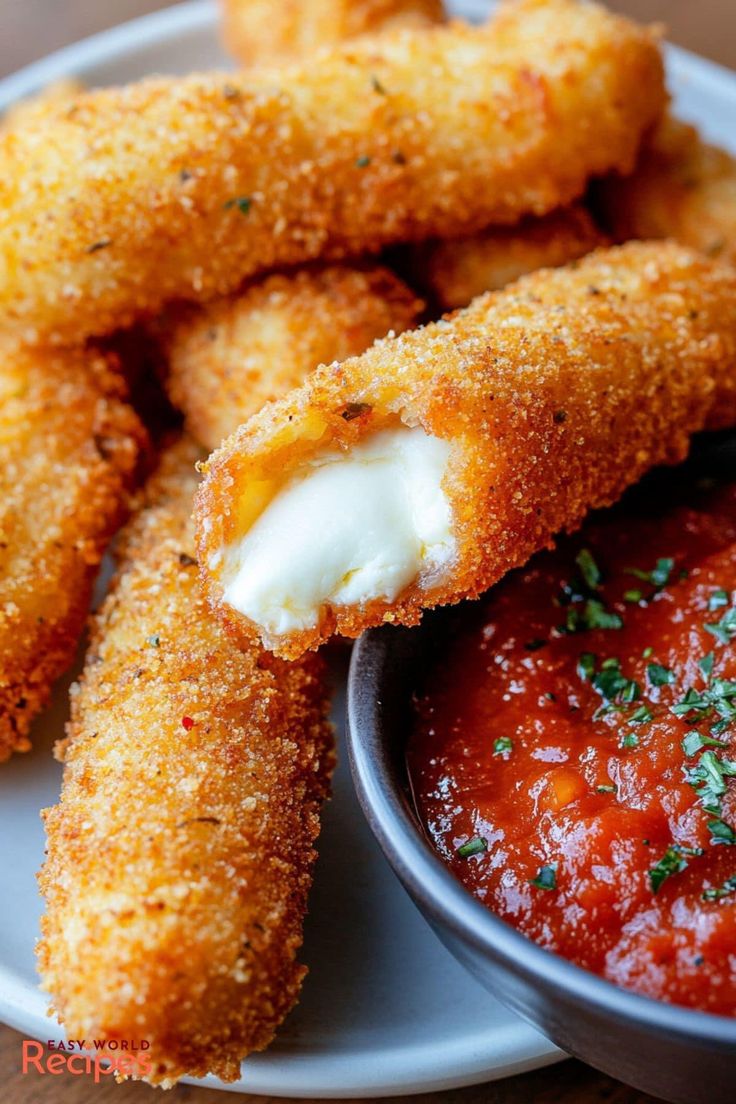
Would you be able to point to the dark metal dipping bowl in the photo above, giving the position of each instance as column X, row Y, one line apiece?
column 674, row 1053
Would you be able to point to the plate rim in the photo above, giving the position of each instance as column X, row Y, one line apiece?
column 154, row 27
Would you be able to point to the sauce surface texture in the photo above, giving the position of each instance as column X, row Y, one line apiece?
column 574, row 748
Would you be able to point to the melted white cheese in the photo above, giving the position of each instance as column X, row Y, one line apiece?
column 351, row 527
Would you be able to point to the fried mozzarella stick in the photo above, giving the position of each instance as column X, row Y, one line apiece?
column 181, row 852
column 422, row 471
column 454, row 272
column 60, row 92
column 229, row 357
column 682, row 188
column 255, row 31
column 180, row 188
column 69, row 445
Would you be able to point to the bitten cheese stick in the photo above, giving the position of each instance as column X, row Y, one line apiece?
column 422, row 471
column 226, row 359
column 181, row 852
column 454, row 272
column 180, row 188
column 682, row 188
column 69, row 445
column 255, row 31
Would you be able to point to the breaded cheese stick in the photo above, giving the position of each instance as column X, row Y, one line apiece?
column 69, row 445
column 181, row 852
column 256, row 31
column 180, row 188
column 422, row 471
column 60, row 92
column 682, row 188
column 456, row 271
column 452, row 272
column 229, row 357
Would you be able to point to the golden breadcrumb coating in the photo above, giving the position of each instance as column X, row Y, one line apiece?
column 60, row 92
column 454, row 272
column 682, row 188
column 554, row 394
column 180, row 188
column 257, row 31
column 231, row 356
column 69, row 445
column 181, row 852
column 451, row 272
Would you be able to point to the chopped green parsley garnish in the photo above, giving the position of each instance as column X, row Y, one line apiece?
column 605, row 789
column 706, row 664
column 617, row 692
column 715, row 894
column 691, row 702
column 720, row 832
column 243, row 204
column 718, row 600
column 362, row 162
column 674, row 861
column 610, row 682
column 586, row 666
column 546, row 878
column 502, row 745
column 593, row 615
column 474, row 846
column 377, row 86
column 589, row 569
column 154, row 640
column 584, row 609
column 629, row 740
column 708, row 779
column 695, row 741
column 647, row 653
column 718, row 699
column 634, row 595
column 659, row 576
column 724, row 630
column 660, row 676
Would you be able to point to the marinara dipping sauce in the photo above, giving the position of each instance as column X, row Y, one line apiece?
column 574, row 750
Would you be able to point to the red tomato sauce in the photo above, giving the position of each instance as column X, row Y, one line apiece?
column 562, row 757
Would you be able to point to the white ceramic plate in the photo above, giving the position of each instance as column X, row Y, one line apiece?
column 385, row 1010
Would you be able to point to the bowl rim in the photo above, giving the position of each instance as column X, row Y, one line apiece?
column 443, row 898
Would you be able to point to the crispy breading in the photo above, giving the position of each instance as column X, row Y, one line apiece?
column 682, row 188
column 181, row 852
column 554, row 395
column 226, row 359
column 451, row 272
column 454, row 272
column 60, row 92
column 180, row 188
column 256, row 31
column 69, row 446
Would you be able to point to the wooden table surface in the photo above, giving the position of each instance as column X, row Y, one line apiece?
column 28, row 30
